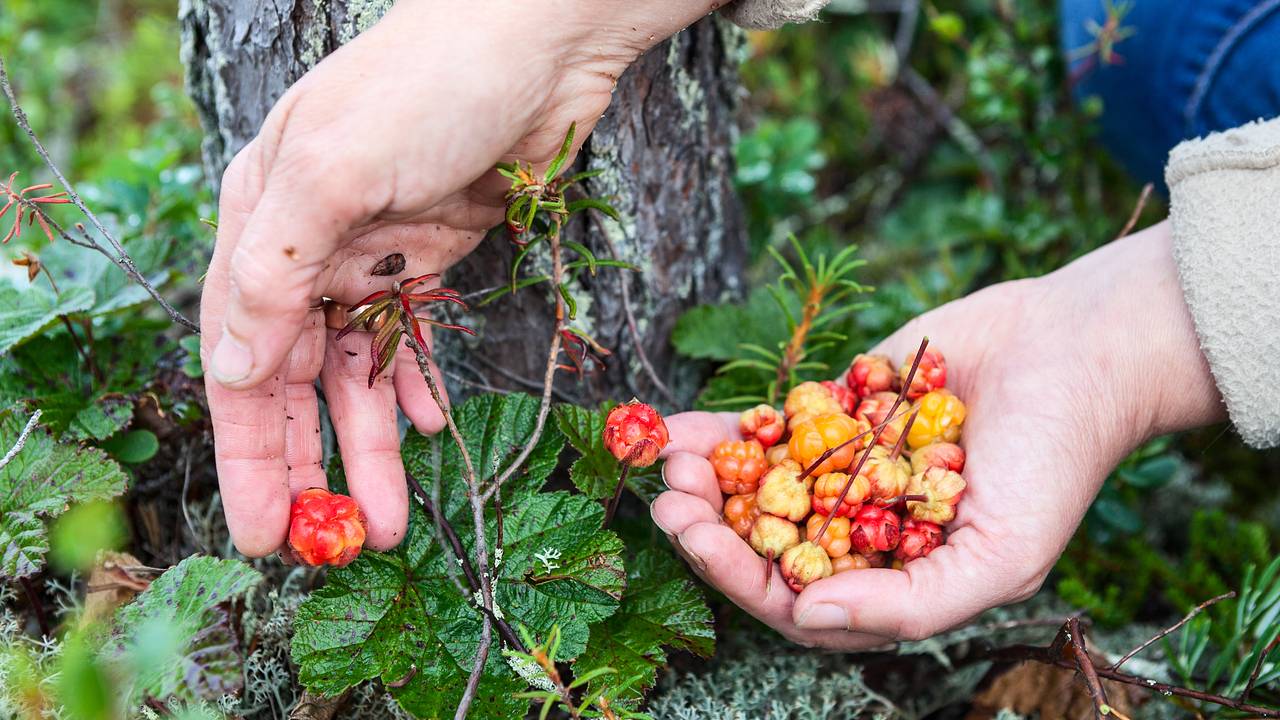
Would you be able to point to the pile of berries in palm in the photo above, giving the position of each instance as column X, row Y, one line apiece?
column 848, row 476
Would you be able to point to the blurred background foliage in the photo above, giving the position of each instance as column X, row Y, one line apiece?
column 948, row 147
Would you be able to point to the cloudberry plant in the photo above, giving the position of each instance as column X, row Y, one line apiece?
column 826, row 493
column 918, row 539
column 835, row 540
column 809, row 400
column 635, row 433
column 325, row 528
column 738, row 465
column 783, row 493
column 763, row 423
column 804, row 564
column 942, row 489
column 941, row 417
column 870, row 374
column 940, row 454
column 931, row 375
column 811, row 439
column 847, row 398
column 875, row 529
column 741, row 513
column 850, row 561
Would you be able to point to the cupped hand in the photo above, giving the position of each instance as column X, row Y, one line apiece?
column 1063, row 376
column 385, row 147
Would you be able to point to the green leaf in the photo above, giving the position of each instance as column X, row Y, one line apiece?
column 558, row 163
column 596, row 472
column 133, row 447
column 37, row 485
column 27, row 312
column 662, row 608
column 192, row 367
column 716, row 332
column 179, row 636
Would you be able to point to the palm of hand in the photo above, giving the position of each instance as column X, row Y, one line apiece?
column 1031, row 472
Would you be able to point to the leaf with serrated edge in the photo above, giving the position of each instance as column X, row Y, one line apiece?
column 189, row 601
column 37, row 485
column 27, row 312
column 662, row 607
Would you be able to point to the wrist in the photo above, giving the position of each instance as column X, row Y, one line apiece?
column 1138, row 337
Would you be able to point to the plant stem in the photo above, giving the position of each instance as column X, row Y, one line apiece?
column 1186, row 619
column 794, row 352
column 617, row 495
column 22, row 439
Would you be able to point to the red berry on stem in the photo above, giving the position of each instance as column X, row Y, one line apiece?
column 875, row 529
column 635, row 433
column 870, row 374
column 325, row 528
column 932, row 374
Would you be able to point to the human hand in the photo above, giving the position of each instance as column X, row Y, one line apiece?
column 385, row 147
column 1062, row 375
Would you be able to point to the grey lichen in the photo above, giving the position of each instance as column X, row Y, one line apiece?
column 314, row 41
column 360, row 16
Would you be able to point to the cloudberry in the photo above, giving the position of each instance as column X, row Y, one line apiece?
column 803, row 564
column 870, row 374
column 783, row 493
column 930, row 376
column 852, row 561
column 941, row 416
column 835, row 540
column 919, row 538
column 325, row 528
column 875, row 529
column 810, row 439
column 741, row 511
column 635, row 433
column 776, row 454
column 941, row 454
column 738, row 465
column 847, row 398
column 887, row 477
column 764, row 423
column 942, row 489
column 827, row 490
column 874, row 410
column 807, row 401
column 771, row 536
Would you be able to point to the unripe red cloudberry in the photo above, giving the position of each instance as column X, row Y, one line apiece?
column 930, row 376
column 870, row 374
column 783, row 493
column 325, row 528
column 809, row 400
column 874, row 410
column 771, row 536
column 847, row 398
column 940, row 454
column 835, row 540
column 635, row 433
column 827, row 490
column 940, row 418
column 803, row 564
column 738, row 465
column 741, row 512
column 919, row 538
column 851, row 561
column 942, row 489
column 763, row 423
column 875, row 529
column 811, row 439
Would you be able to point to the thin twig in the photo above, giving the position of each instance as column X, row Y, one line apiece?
column 1075, row 635
column 1257, row 667
column 1186, row 619
column 22, row 439
column 477, row 670
column 1137, row 210
column 121, row 258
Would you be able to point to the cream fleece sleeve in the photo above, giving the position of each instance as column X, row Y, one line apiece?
column 1225, row 210
column 769, row 14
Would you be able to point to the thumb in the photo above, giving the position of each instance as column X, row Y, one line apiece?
column 276, row 257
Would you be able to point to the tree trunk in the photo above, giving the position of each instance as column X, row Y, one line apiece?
column 664, row 145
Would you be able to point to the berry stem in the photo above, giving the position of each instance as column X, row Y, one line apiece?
column 902, row 439
column 617, row 492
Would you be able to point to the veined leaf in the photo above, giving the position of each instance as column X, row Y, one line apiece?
column 27, row 312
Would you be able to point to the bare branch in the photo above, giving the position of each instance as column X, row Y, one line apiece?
column 22, row 439
column 1186, row 619
column 120, row 257
column 1075, row 635
column 1257, row 667
column 1137, row 210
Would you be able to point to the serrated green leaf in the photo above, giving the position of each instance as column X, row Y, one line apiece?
column 716, row 332
column 37, row 485
column 596, row 472
column 27, row 312
column 184, row 613
column 662, row 608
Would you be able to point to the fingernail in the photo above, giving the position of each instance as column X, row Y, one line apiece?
column 232, row 360
column 663, row 472
column 658, row 522
column 823, row 616
column 694, row 557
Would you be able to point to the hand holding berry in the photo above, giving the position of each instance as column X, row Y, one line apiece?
column 1038, row 448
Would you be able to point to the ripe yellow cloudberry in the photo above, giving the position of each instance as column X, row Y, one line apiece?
column 941, row 417
column 835, row 540
column 810, row 439
column 738, row 465
column 827, row 490
column 807, row 401
column 741, row 512
column 942, row 489
column 851, row 561
column 763, row 423
column 804, row 564
column 771, row 535
column 783, row 493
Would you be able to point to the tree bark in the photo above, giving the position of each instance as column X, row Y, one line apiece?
column 665, row 147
